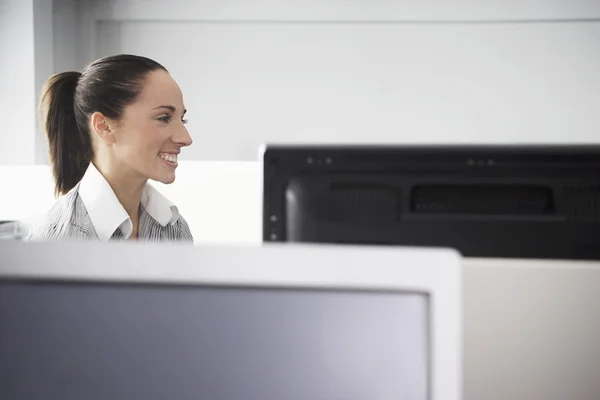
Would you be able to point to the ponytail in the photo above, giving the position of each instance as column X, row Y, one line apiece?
column 69, row 141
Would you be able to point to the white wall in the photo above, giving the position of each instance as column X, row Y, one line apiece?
column 368, row 71
column 66, row 20
column 17, row 82
column 387, row 71
column 26, row 61
column 37, row 39
column 43, row 56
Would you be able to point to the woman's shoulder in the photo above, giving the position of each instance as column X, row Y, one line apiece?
column 177, row 230
column 65, row 220
column 166, row 215
column 185, row 234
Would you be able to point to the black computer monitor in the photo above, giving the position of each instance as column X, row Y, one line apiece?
column 485, row 201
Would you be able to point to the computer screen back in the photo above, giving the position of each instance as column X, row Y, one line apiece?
column 124, row 341
column 533, row 201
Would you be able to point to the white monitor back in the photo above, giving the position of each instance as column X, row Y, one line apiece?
column 274, row 321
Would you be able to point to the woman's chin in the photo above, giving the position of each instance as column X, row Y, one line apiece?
column 168, row 181
column 165, row 178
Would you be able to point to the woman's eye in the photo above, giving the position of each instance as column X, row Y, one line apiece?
column 166, row 118
column 184, row 120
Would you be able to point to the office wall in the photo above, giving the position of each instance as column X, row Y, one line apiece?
column 384, row 71
column 368, row 71
column 37, row 39
column 17, row 84
column 66, row 20
column 26, row 61
column 43, row 57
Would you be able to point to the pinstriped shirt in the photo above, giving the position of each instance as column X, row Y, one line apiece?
column 91, row 211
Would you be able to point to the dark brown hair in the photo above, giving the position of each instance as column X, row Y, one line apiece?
column 68, row 99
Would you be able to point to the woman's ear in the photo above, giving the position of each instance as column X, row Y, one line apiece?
column 101, row 128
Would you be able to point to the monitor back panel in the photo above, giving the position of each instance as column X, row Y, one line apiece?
column 517, row 202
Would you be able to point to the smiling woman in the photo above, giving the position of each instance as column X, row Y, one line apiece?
column 111, row 128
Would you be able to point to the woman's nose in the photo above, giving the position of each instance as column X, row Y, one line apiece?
column 182, row 137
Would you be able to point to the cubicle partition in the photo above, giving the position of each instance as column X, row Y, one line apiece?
column 531, row 329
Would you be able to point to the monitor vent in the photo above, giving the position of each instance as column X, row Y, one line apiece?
column 482, row 200
column 366, row 203
column 581, row 203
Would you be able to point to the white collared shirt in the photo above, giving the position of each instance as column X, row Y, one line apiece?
column 92, row 211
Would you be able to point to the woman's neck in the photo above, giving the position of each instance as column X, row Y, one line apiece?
column 128, row 187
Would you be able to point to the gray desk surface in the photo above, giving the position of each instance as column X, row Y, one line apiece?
column 531, row 330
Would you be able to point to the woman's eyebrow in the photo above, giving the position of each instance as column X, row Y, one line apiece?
column 171, row 108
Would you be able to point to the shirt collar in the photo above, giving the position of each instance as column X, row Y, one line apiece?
column 106, row 212
column 159, row 207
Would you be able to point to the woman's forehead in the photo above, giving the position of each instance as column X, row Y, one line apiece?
column 159, row 89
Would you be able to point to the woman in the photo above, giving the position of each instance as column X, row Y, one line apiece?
column 111, row 128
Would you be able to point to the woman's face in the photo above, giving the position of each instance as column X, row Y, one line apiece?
column 152, row 131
